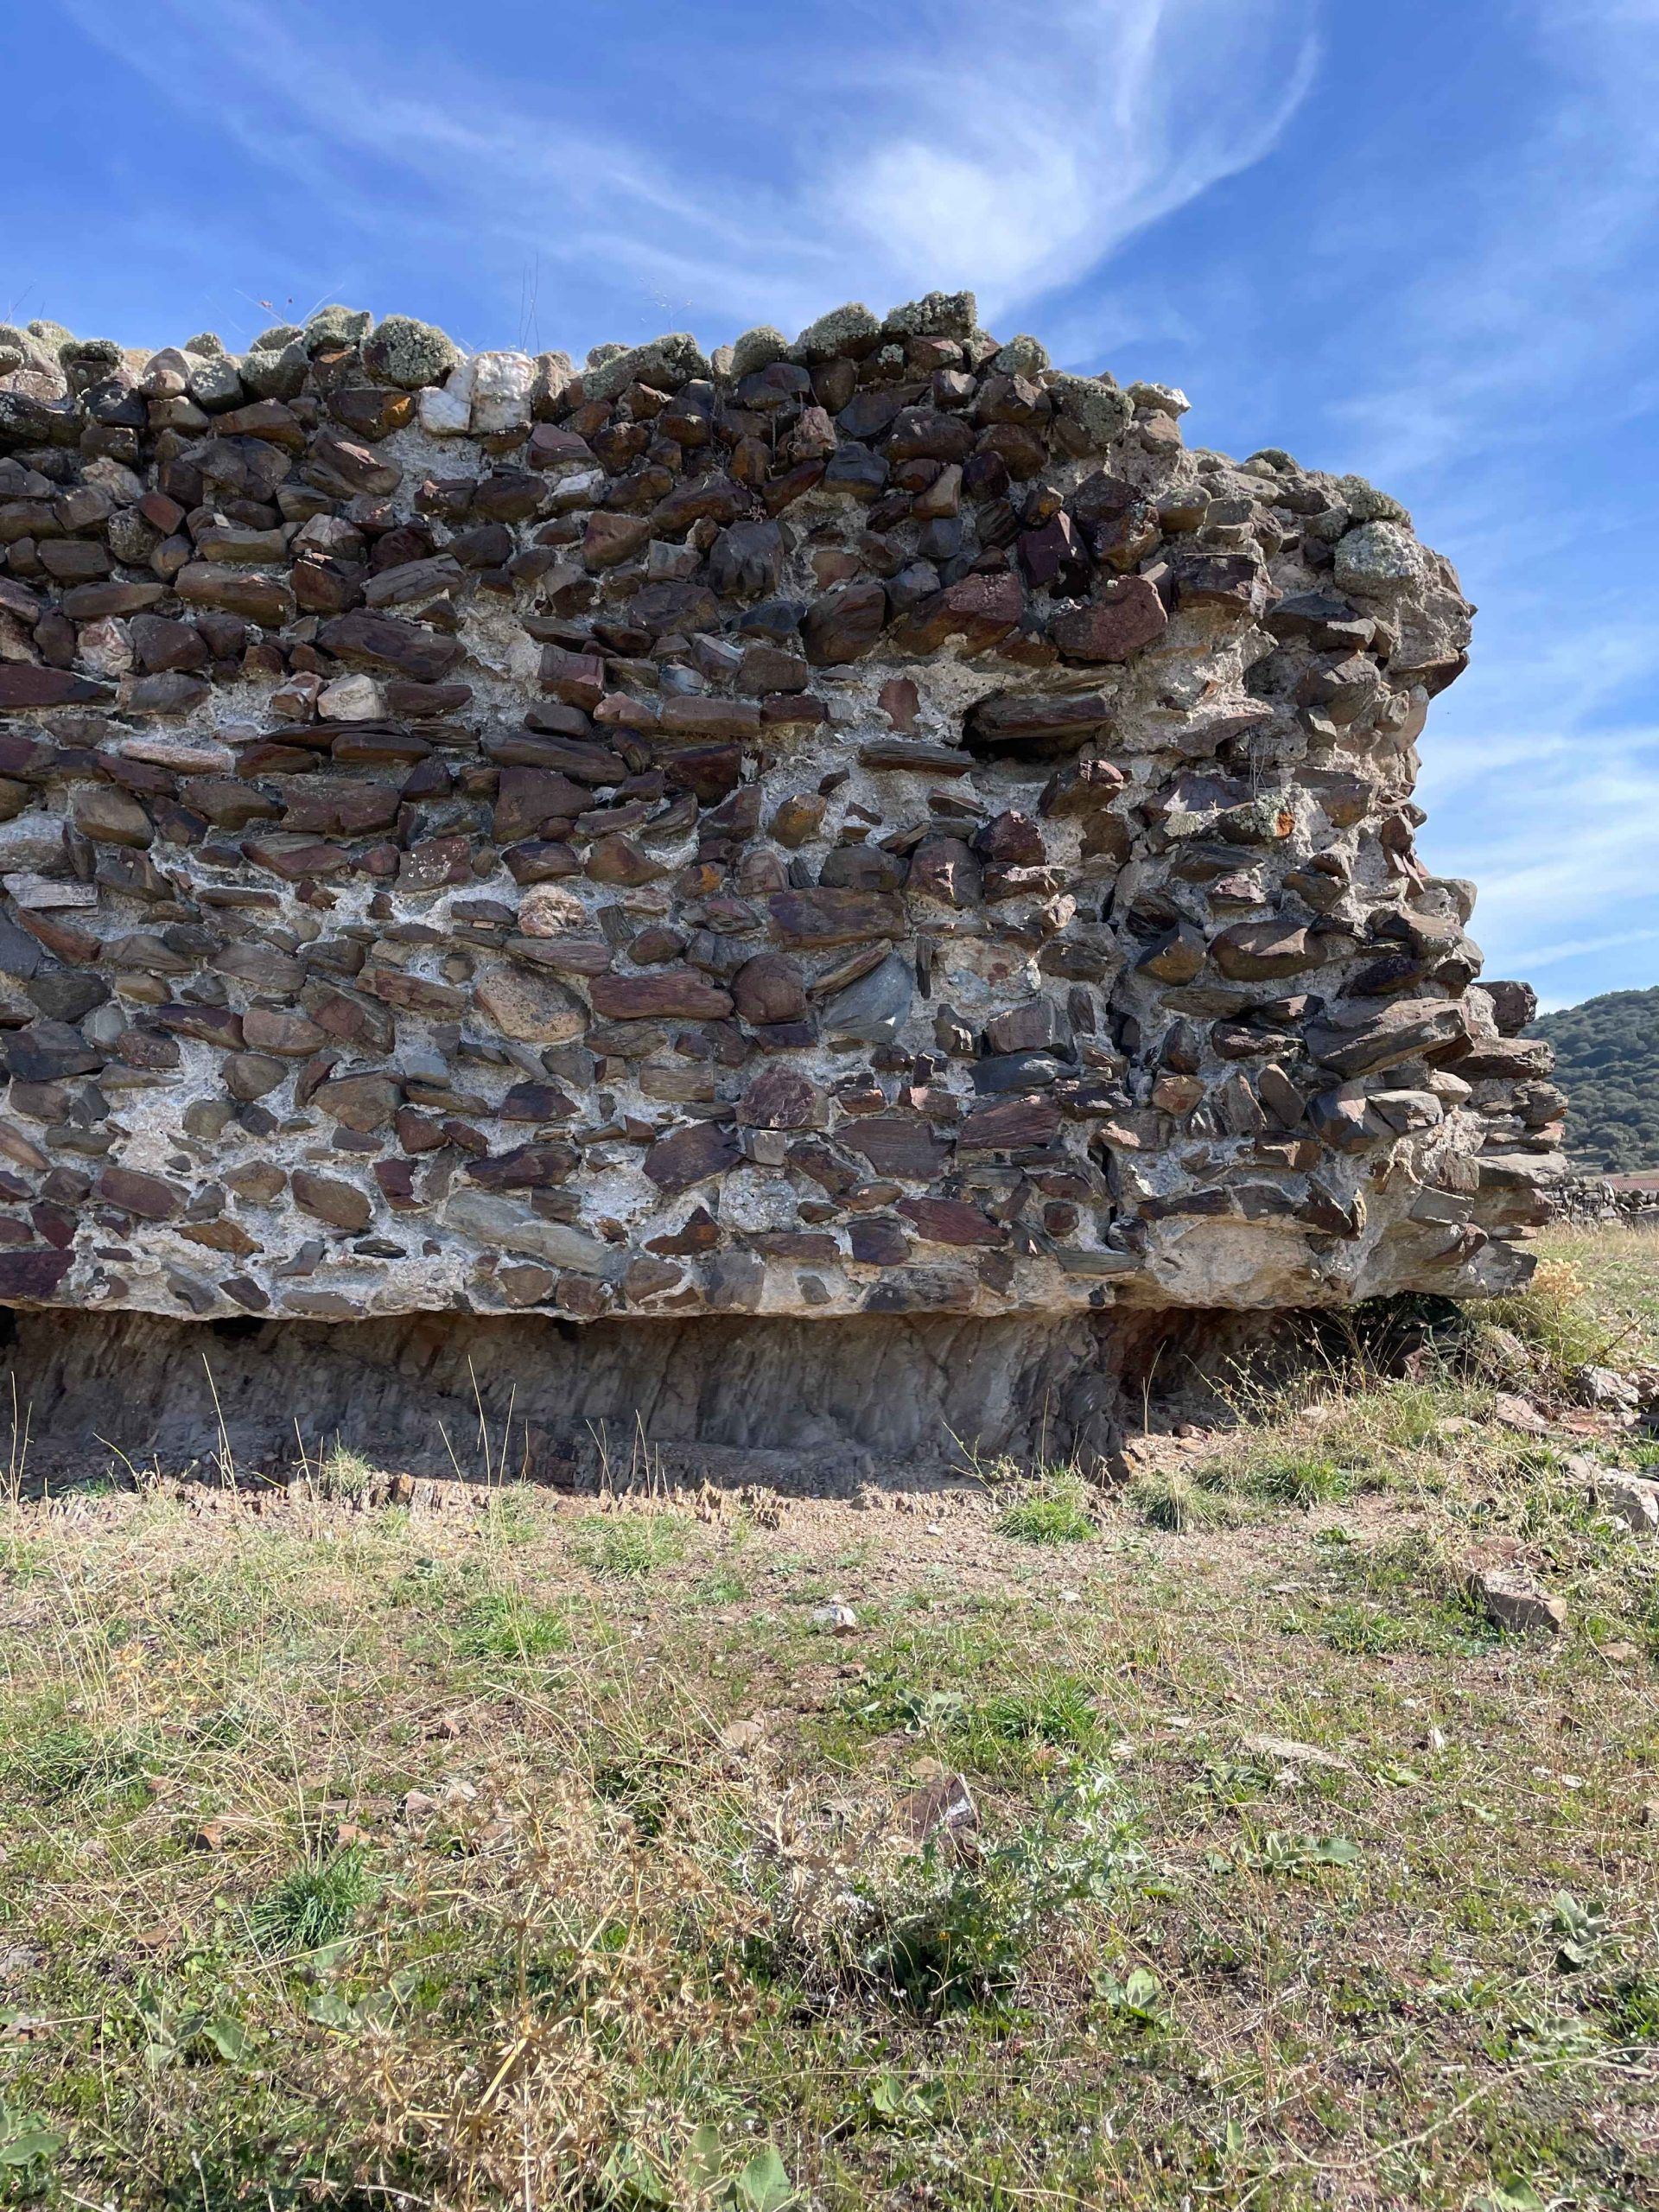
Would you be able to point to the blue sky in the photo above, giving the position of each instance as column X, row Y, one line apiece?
column 1417, row 240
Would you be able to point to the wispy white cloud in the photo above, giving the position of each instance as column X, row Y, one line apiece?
column 1560, row 836
column 1506, row 373
column 1549, row 954
column 1008, row 145
column 1524, row 296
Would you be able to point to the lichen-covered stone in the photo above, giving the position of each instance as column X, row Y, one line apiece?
column 665, row 362
column 851, row 331
column 336, row 327
column 1023, row 356
column 756, row 349
column 1099, row 411
column 409, row 354
column 937, row 315
column 1377, row 560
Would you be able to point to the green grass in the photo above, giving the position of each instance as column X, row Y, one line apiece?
column 312, row 1906
column 1301, row 1478
column 1053, row 1513
column 630, row 1544
column 982, row 1727
column 345, row 1473
column 504, row 1850
column 504, row 1624
column 1173, row 1498
column 60, row 1760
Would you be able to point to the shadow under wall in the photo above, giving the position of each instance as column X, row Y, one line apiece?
column 412, row 1393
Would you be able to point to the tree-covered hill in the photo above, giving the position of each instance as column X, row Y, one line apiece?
column 1607, row 1062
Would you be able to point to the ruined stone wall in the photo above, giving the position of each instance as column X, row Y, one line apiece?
column 866, row 825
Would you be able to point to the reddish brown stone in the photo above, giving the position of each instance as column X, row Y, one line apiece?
column 256, row 598
column 349, row 1019
column 699, row 717
column 610, row 539
column 343, row 468
column 844, row 623
column 896, row 1144
column 541, row 861
column 23, row 685
column 365, row 1103
column 1050, row 551
column 980, row 610
column 342, row 1205
column 665, row 995
column 421, row 702
column 901, row 703
column 397, row 1181
column 576, row 678
column 323, row 809
column 26, row 1276
column 1125, row 615
column 879, row 1242
column 146, row 1196
column 1009, row 1125
column 527, row 798
column 1236, row 583
column 805, row 1247
column 700, row 1233
column 1254, row 952
column 952, row 1221
column 1020, row 451
column 619, row 860
column 1042, row 725
column 944, row 868
column 769, row 671
column 412, row 994
column 110, row 816
column 370, row 410
column 769, row 988
column 418, row 1132
column 1011, row 840
column 541, row 1167
column 381, row 641
column 780, row 1097
column 278, row 1030
column 690, row 1156
column 822, row 917
column 710, row 771
column 295, row 858
column 918, row 760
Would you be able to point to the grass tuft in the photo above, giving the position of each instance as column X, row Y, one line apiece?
column 630, row 1544
column 1172, row 1498
column 60, row 1761
column 313, row 1905
column 504, row 1624
column 346, row 1474
column 1053, row 1513
column 1291, row 1478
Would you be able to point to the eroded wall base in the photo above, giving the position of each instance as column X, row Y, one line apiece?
column 843, row 1399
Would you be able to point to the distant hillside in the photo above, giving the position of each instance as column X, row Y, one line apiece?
column 1607, row 1062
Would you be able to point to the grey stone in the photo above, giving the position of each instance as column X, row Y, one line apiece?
column 511, row 1228
column 874, row 1010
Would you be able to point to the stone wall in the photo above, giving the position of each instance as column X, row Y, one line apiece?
column 864, row 826
column 1630, row 1201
